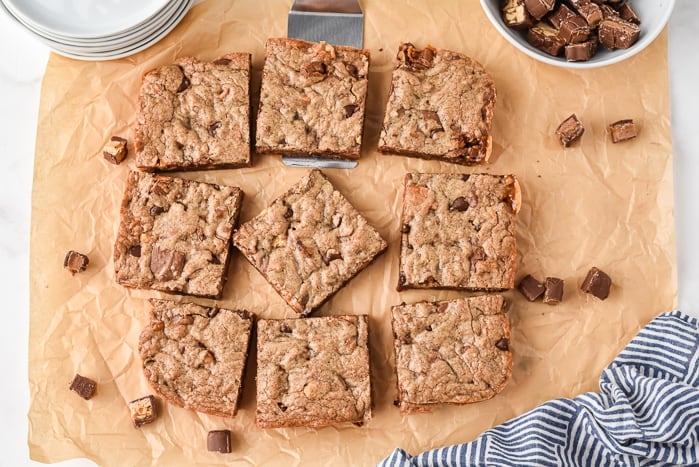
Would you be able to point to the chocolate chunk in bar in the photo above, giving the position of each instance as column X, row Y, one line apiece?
column 531, row 288
column 559, row 15
column 588, row 10
column 545, row 38
column 515, row 15
column 628, row 14
column 115, row 150
column 539, row 8
column 581, row 52
column 616, row 33
column 219, row 441
column 143, row 411
column 623, row 130
column 574, row 30
column 75, row 262
column 553, row 294
column 570, row 130
column 597, row 283
column 84, row 387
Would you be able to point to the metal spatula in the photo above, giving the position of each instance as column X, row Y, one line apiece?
column 337, row 22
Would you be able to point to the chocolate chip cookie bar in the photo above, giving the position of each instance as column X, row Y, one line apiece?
column 312, row 100
column 309, row 242
column 440, row 107
column 313, row 371
column 194, row 356
column 174, row 234
column 458, row 231
column 195, row 115
column 451, row 352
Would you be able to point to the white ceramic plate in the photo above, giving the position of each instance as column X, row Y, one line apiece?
column 85, row 18
column 654, row 15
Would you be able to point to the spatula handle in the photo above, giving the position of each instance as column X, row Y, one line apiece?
column 330, row 6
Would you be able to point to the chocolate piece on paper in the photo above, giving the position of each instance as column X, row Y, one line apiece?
column 143, row 411
column 623, row 130
column 616, row 33
column 554, row 290
column 75, row 262
column 539, row 8
column 597, row 283
column 570, row 130
column 115, row 150
column 626, row 13
column 531, row 288
column 588, row 10
column 84, row 387
column 515, row 15
column 545, row 38
column 581, row 52
column 574, row 30
column 559, row 15
column 219, row 441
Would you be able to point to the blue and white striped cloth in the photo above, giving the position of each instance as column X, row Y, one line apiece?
column 646, row 414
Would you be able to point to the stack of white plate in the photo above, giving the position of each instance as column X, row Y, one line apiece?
column 97, row 29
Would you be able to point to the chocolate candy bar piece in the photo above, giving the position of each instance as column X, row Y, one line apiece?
column 75, row 262
column 623, row 130
column 539, row 8
column 570, row 130
column 115, row 150
column 616, row 33
column 531, row 288
column 574, row 30
column 544, row 37
column 597, row 283
column 628, row 14
column 559, row 15
column 553, row 294
column 515, row 15
column 588, row 10
column 219, row 441
column 84, row 387
column 582, row 51
column 143, row 411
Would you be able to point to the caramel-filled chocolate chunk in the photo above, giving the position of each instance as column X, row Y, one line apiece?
column 581, row 52
column 115, row 150
column 539, row 8
column 553, row 293
column 616, row 33
column 623, row 130
column 574, row 30
column 515, row 15
column 570, row 130
column 531, row 288
column 143, row 411
column 627, row 14
column 219, row 441
column 597, row 283
column 75, row 262
column 588, row 10
column 545, row 38
column 84, row 387
column 559, row 15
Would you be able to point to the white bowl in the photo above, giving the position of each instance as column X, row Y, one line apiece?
column 654, row 15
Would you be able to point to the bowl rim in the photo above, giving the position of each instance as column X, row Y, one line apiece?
column 617, row 57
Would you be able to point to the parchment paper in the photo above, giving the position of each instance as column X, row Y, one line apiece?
column 595, row 204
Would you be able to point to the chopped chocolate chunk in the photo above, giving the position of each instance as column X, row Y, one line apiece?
column 503, row 344
column 616, row 33
column 185, row 82
column 143, row 411
column 155, row 210
column 115, row 150
column 213, row 127
column 539, row 8
column 75, row 262
column 414, row 58
column 574, row 30
column 166, row 264
column 626, row 13
column 219, row 441
column 559, row 15
column 315, row 69
column 623, row 130
column 352, row 70
column 459, row 204
column 581, row 52
column 531, row 288
column 515, row 14
column 545, row 38
column 84, row 387
column 350, row 109
column 588, row 10
column 570, row 130
column 222, row 61
column 597, row 283
column 135, row 250
column 554, row 290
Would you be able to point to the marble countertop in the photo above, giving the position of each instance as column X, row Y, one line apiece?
column 22, row 63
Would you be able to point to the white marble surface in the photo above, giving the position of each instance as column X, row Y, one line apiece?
column 22, row 62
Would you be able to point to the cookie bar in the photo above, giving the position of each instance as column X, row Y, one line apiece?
column 440, row 107
column 194, row 356
column 458, row 231
column 313, row 372
column 309, row 242
column 312, row 100
column 195, row 115
column 450, row 352
column 174, row 234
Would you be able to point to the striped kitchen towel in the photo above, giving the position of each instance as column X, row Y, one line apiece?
column 645, row 414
